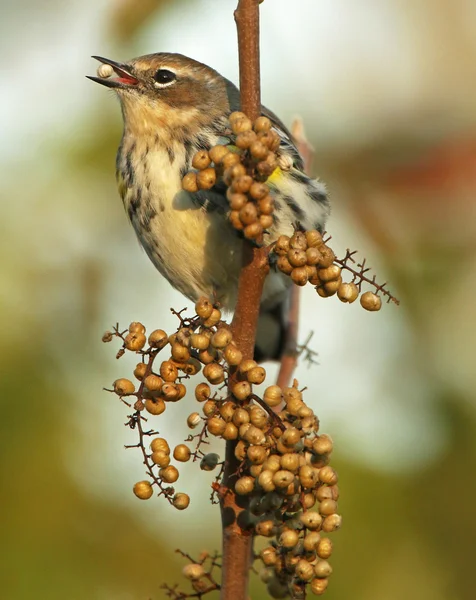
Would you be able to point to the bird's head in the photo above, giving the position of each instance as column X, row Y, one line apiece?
column 164, row 90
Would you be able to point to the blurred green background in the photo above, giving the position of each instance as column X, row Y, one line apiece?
column 388, row 95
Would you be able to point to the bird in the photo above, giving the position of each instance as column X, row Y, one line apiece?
column 174, row 106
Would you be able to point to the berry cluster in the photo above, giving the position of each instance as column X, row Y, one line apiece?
column 244, row 167
column 282, row 460
column 305, row 257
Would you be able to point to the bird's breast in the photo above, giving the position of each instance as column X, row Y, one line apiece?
column 190, row 246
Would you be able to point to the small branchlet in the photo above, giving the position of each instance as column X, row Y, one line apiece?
column 282, row 460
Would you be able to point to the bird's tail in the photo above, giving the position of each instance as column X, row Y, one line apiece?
column 271, row 336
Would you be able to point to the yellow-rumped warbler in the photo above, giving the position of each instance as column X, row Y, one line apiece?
column 174, row 106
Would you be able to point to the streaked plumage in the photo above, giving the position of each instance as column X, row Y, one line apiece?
column 187, row 236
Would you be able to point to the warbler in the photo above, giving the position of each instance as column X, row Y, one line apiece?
column 174, row 106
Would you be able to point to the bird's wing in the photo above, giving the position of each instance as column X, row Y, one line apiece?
column 288, row 146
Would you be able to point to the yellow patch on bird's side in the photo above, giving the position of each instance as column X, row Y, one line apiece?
column 121, row 186
column 275, row 176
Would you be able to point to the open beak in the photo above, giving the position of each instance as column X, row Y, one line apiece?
column 124, row 77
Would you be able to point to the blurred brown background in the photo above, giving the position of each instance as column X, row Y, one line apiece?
column 388, row 94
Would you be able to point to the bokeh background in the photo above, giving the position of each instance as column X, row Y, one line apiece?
column 387, row 92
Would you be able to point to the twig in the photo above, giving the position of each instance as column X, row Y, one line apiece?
column 237, row 543
column 290, row 355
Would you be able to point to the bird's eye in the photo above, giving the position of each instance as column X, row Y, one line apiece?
column 164, row 77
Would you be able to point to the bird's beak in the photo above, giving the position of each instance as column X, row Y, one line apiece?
column 124, row 77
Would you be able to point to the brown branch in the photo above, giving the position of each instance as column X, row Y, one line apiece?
column 290, row 354
column 237, row 542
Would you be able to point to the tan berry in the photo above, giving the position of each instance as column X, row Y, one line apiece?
column 266, row 221
column 330, row 273
column 322, row 569
column 265, row 480
column 299, row 275
column 256, row 375
column 258, row 417
column 282, row 245
column 253, row 231
column 313, row 256
column 153, row 383
column 313, row 238
column 232, row 355
column 231, row 432
column 258, row 191
column 201, row 160
column 168, row 371
column 237, row 201
column 169, row 474
column 193, row 571
column 241, row 185
column 308, row 476
column 262, row 124
column 160, row 458
column 311, row 519
column 217, row 153
column 233, row 172
column 298, row 241
column 304, row 570
column 135, row 341
column 230, row 160
column 214, row 373
column 331, row 523
column 213, row 319
column 181, row 501
column 297, row 257
column 289, row 538
column 282, row 479
column 284, row 265
column 136, row 327
column 266, row 528
column 182, row 453
column 143, row 490
column 319, row 586
column 170, row 392
column 226, row 410
column 253, row 435
column 327, row 507
column 266, row 205
column 193, row 420
column 244, row 485
column 324, row 548
column 328, row 475
column 269, row 556
column 140, row 371
column 240, row 450
column 348, row 292
column 209, row 408
column 202, row 392
column 158, row 339
column 258, row 151
column 204, row 308
column 155, row 406
column 248, row 214
column 160, row 445
column 256, row 455
column 221, row 338
column 291, row 437
column 200, row 341
column 273, row 395
column 290, row 462
column 311, row 541
column 245, row 139
column 123, row 387
column 189, row 182
column 322, row 444
column 241, row 416
column 240, row 125
column 327, row 256
column 206, row 179
column 241, row 391
column 216, row 426
column 371, row 301
column 179, row 352
column 207, row 356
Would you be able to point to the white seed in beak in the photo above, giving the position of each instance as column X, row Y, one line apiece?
column 105, row 71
